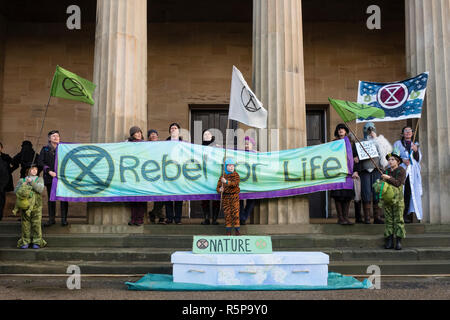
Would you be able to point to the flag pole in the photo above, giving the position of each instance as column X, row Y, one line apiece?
column 415, row 131
column 379, row 170
column 225, row 157
column 42, row 127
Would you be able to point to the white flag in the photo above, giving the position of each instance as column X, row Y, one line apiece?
column 244, row 106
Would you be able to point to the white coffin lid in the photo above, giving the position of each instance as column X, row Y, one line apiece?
column 279, row 257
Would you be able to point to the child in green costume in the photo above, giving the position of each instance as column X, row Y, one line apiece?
column 393, row 207
column 32, row 216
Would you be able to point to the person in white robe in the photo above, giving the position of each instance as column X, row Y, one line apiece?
column 412, row 156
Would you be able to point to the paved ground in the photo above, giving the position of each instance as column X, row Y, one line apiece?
column 54, row 288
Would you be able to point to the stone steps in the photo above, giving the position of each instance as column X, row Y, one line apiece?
column 147, row 249
column 13, row 227
column 155, row 255
column 426, row 267
column 279, row 242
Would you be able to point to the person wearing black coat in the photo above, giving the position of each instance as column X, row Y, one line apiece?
column 6, row 181
column 210, row 208
column 47, row 163
column 174, row 209
column 25, row 158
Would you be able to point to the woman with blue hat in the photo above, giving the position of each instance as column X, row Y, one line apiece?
column 228, row 186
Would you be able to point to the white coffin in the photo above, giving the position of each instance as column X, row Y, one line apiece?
column 278, row 268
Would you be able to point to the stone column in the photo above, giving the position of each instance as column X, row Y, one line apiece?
column 120, row 72
column 427, row 49
column 278, row 80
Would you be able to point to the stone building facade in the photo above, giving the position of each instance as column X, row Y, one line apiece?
column 154, row 60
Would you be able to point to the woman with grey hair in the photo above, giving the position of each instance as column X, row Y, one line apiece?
column 369, row 173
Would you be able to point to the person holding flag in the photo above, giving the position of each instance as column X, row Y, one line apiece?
column 245, row 108
column 411, row 158
column 66, row 85
column 350, row 111
column 46, row 160
column 228, row 186
column 369, row 175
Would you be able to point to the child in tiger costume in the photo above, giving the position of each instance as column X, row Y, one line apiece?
column 228, row 186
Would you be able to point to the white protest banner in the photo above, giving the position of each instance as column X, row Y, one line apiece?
column 370, row 148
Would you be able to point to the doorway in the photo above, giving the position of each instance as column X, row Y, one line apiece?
column 316, row 133
column 215, row 119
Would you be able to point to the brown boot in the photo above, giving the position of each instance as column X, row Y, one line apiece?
column 366, row 209
column 377, row 214
column 345, row 209
column 339, row 212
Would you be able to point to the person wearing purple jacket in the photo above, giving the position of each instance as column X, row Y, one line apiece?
column 246, row 210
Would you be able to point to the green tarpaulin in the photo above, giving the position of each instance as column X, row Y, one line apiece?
column 164, row 282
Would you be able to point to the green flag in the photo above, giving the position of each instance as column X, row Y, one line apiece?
column 68, row 85
column 350, row 111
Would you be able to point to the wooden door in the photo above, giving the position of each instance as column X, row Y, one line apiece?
column 315, row 132
column 213, row 118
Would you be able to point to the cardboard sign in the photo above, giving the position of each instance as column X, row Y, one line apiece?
column 370, row 148
column 230, row 244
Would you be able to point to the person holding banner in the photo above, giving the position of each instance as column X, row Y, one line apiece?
column 369, row 173
column 153, row 135
column 249, row 203
column 138, row 209
column 46, row 160
column 228, row 185
column 24, row 158
column 5, row 178
column 174, row 209
column 210, row 207
column 342, row 197
column 411, row 157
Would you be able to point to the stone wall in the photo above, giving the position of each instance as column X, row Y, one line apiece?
column 192, row 64
column 2, row 61
column 339, row 54
column 188, row 63
column 32, row 52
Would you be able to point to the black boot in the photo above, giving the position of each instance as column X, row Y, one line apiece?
column 64, row 210
column 407, row 218
column 206, row 212
column 389, row 242
column 398, row 245
column 358, row 218
column 215, row 213
column 51, row 214
column 366, row 209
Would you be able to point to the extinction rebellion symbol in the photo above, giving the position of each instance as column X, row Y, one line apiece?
column 393, row 96
column 261, row 244
column 248, row 100
column 202, row 244
column 77, row 170
column 74, row 87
